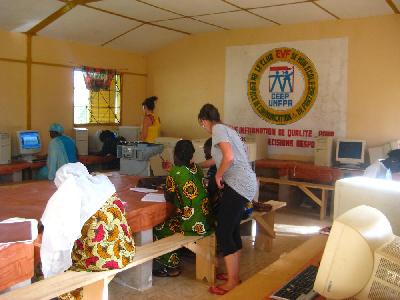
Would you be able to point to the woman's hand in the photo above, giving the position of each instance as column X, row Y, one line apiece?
column 166, row 165
column 207, row 163
column 218, row 180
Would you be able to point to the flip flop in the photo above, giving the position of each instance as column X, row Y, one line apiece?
column 173, row 272
column 217, row 290
column 160, row 273
column 224, row 277
column 167, row 272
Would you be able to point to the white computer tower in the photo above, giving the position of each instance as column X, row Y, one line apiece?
column 167, row 154
column 323, row 151
column 394, row 144
column 81, row 137
column 381, row 194
column 251, row 150
column 5, row 148
column 377, row 153
column 198, row 155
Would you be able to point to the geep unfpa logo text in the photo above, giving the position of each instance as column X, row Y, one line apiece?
column 282, row 86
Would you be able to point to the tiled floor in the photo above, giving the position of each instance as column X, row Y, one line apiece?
column 293, row 226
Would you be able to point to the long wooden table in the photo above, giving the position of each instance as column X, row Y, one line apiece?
column 305, row 176
column 15, row 168
column 273, row 277
column 305, row 187
column 29, row 199
column 298, row 170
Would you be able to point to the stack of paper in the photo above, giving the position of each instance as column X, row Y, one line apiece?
column 151, row 197
column 143, row 190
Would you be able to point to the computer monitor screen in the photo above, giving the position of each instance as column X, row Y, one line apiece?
column 28, row 142
column 350, row 151
column 361, row 258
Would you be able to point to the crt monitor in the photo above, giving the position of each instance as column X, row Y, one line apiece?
column 130, row 133
column 28, row 143
column 361, row 259
column 350, row 151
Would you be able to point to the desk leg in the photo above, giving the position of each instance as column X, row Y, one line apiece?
column 285, row 192
column 324, row 203
column 139, row 277
column 14, row 177
column 265, row 231
column 17, row 176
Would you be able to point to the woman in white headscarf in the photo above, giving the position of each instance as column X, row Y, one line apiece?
column 85, row 228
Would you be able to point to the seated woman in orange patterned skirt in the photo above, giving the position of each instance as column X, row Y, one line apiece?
column 85, row 228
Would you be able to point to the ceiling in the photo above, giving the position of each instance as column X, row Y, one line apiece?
column 142, row 26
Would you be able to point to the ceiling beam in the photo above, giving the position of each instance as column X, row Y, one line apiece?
column 250, row 12
column 57, row 14
column 325, row 10
column 137, row 20
column 393, row 6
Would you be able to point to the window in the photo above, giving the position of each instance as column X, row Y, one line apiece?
column 96, row 105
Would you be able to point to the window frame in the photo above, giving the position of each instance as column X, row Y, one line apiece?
column 96, row 124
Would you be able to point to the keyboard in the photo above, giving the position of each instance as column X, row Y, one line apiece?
column 351, row 167
column 39, row 160
column 299, row 287
column 36, row 159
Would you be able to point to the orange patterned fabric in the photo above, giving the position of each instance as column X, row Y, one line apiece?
column 106, row 241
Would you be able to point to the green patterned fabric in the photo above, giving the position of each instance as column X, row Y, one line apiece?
column 186, row 190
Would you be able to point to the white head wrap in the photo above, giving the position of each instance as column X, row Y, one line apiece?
column 78, row 197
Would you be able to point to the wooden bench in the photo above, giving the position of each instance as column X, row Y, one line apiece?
column 265, row 222
column 305, row 187
column 205, row 249
column 95, row 284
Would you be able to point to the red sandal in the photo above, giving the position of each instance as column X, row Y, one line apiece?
column 222, row 276
column 217, row 290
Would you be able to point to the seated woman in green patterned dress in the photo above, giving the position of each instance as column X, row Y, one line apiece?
column 185, row 189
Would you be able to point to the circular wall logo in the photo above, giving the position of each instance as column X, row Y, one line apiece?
column 282, row 85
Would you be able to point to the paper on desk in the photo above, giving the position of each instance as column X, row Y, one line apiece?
column 154, row 197
column 142, row 190
column 108, row 174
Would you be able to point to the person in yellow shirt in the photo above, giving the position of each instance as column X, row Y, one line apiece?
column 151, row 122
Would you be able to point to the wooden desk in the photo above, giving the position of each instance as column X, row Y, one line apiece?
column 16, row 264
column 15, row 168
column 305, row 187
column 305, row 175
column 302, row 170
column 273, row 277
column 29, row 199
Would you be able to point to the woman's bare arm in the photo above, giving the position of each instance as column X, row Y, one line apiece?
column 146, row 124
column 227, row 159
